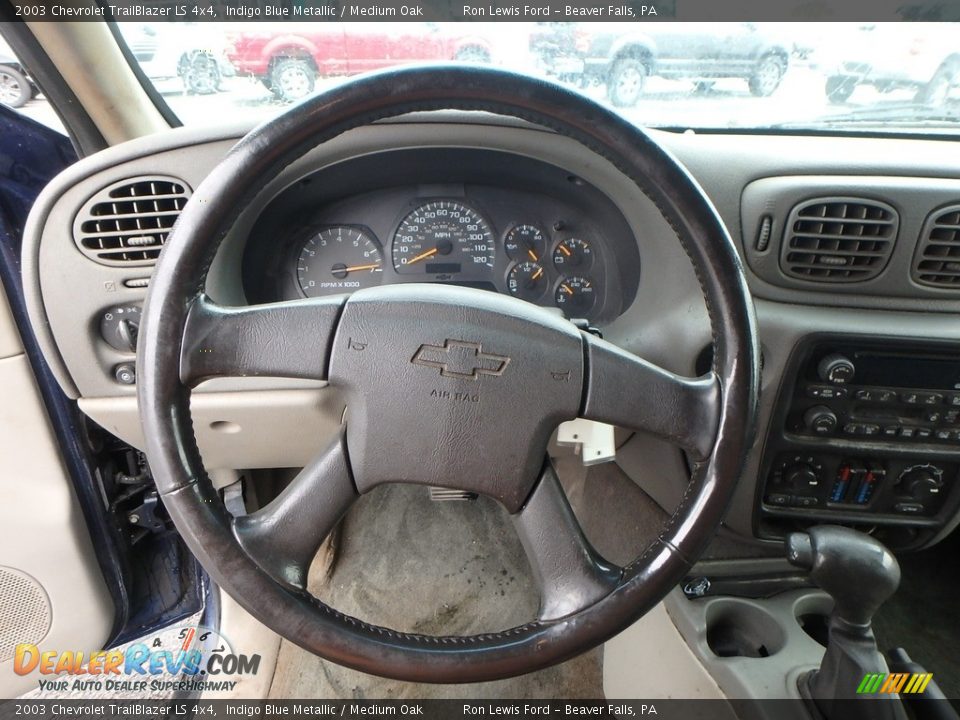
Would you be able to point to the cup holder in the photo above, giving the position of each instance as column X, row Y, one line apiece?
column 813, row 617
column 740, row 629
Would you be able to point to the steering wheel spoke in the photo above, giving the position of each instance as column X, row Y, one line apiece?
column 284, row 536
column 571, row 575
column 625, row 390
column 283, row 339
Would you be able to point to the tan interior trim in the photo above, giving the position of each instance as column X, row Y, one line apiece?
column 88, row 58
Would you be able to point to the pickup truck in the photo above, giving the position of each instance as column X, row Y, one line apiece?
column 290, row 58
column 611, row 54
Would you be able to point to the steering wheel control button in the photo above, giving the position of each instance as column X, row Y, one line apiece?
column 125, row 374
column 836, row 368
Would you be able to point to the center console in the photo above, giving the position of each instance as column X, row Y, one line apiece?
column 868, row 435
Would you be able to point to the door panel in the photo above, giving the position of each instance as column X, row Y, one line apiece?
column 52, row 593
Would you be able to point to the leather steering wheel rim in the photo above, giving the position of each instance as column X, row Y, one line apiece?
column 182, row 330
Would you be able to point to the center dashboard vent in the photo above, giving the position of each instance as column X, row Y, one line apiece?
column 838, row 239
column 937, row 262
column 128, row 222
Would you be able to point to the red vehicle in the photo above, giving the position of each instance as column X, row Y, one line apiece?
column 289, row 59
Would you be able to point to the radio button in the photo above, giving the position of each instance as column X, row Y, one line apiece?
column 836, row 369
column 827, row 392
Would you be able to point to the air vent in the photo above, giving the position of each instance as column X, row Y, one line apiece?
column 127, row 223
column 937, row 262
column 838, row 239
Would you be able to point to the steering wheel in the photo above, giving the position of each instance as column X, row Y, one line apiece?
column 445, row 386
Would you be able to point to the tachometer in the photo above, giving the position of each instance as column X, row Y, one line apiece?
column 339, row 259
column 443, row 238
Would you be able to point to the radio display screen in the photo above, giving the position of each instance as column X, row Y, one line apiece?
column 911, row 371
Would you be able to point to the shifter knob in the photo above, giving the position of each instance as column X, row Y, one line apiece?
column 855, row 569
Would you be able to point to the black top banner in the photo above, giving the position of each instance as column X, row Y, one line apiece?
column 620, row 11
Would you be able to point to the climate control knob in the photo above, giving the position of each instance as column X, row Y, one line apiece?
column 920, row 482
column 801, row 476
column 820, row 419
column 836, row 368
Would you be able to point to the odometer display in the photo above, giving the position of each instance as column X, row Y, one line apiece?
column 443, row 238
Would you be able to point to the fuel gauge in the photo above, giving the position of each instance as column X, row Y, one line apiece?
column 527, row 280
column 575, row 297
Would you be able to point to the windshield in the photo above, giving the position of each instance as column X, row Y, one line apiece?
column 837, row 76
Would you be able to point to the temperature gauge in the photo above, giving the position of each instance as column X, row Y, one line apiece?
column 575, row 296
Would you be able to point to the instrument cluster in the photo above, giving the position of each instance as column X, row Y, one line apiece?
column 489, row 220
column 450, row 241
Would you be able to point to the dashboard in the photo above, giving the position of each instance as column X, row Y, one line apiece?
column 516, row 209
column 490, row 220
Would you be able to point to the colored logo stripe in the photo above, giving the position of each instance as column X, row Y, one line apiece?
column 903, row 683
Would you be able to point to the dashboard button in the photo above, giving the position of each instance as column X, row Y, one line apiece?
column 931, row 398
column 891, row 430
column 907, row 507
column 865, row 395
column 910, row 398
column 923, row 433
column 945, row 434
column 125, row 374
column 871, row 430
column 852, row 429
column 954, row 400
column 778, row 499
column 886, row 396
column 907, row 432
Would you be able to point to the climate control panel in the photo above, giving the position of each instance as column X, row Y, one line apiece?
column 859, row 484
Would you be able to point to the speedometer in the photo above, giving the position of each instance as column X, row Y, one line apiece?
column 442, row 238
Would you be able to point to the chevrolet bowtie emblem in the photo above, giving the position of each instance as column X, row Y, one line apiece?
column 459, row 359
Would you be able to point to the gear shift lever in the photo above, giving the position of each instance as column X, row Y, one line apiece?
column 860, row 574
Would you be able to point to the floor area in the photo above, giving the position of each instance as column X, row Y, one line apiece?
column 457, row 567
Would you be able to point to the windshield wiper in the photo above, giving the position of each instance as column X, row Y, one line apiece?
column 899, row 114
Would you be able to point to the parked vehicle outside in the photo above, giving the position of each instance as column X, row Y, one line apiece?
column 193, row 53
column 289, row 58
column 926, row 61
column 16, row 88
column 622, row 58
